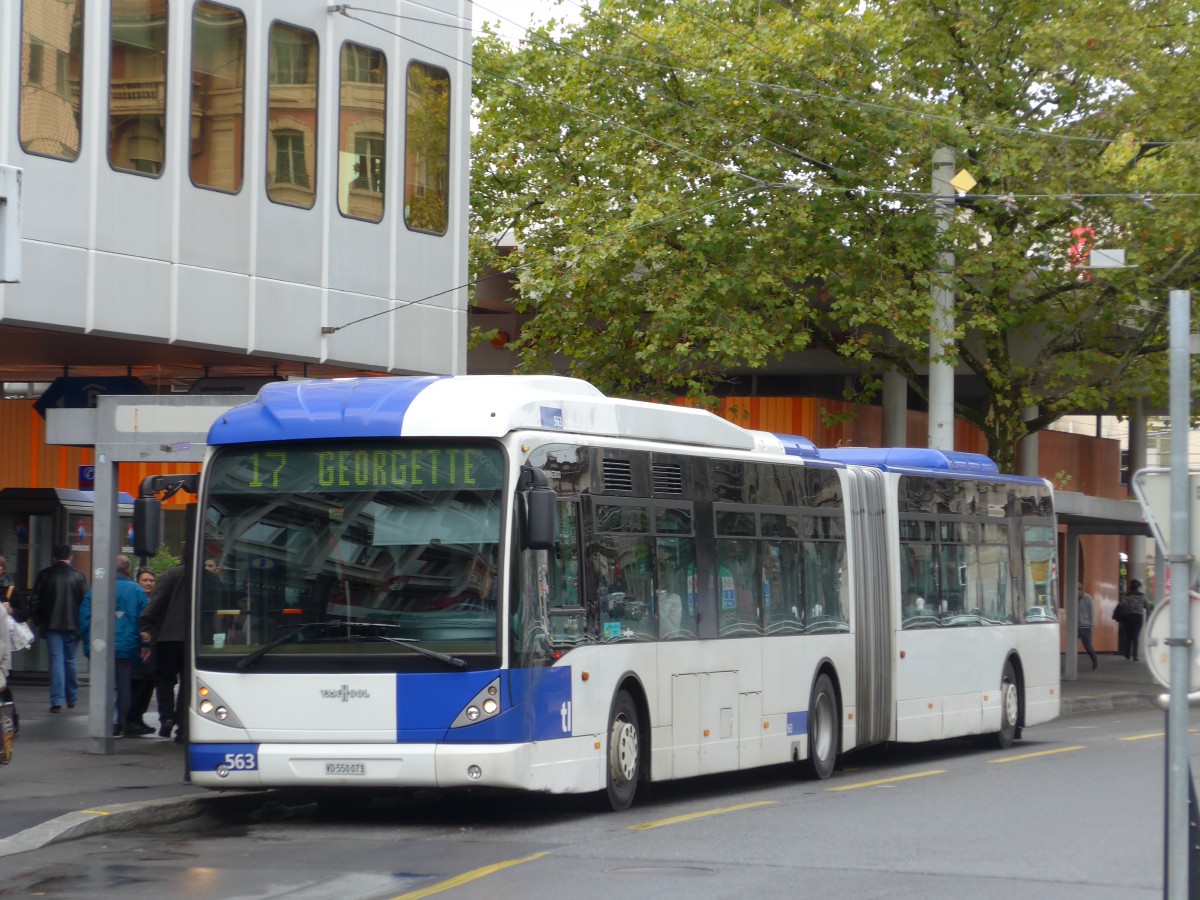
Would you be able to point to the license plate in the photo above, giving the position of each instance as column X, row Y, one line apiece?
column 345, row 768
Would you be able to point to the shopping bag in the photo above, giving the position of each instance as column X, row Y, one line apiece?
column 8, row 732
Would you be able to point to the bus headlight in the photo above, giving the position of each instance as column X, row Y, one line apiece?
column 483, row 706
column 212, row 707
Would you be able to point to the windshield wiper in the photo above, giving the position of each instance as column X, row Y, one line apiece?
column 251, row 658
column 413, row 643
column 352, row 628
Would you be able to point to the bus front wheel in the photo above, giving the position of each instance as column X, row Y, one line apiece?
column 624, row 752
column 822, row 729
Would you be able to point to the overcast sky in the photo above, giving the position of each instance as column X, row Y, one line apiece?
column 523, row 12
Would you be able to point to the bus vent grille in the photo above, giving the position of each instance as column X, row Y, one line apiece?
column 618, row 475
column 668, row 480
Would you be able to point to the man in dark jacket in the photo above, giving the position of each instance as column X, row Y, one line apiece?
column 165, row 626
column 58, row 593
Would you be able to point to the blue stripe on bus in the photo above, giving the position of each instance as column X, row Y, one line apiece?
column 235, row 757
column 309, row 410
column 797, row 723
column 535, row 706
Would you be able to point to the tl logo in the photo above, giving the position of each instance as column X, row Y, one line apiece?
column 565, row 714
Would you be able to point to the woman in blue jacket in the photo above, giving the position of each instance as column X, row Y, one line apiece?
column 131, row 600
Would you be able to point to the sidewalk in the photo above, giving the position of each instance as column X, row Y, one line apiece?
column 55, row 789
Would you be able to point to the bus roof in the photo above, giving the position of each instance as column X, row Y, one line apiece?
column 475, row 406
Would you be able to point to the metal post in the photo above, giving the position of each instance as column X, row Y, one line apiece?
column 941, row 372
column 1179, row 558
column 104, row 601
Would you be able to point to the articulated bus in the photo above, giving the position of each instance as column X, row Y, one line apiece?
column 518, row 582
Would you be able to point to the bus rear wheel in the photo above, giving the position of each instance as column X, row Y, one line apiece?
column 1010, row 709
column 624, row 752
column 822, row 729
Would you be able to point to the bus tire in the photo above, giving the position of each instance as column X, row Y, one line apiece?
column 624, row 763
column 1010, row 709
column 823, row 721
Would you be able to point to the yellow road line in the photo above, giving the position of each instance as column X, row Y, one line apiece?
column 863, row 784
column 1039, row 753
column 466, row 878
column 95, row 812
column 674, row 820
column 1153, row 734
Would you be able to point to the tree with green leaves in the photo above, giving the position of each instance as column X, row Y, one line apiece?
column 698, row 187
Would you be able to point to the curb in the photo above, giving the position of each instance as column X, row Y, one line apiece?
column 118, row 817
column 1127, row 700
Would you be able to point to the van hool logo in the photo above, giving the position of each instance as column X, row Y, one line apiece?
column 345, row 693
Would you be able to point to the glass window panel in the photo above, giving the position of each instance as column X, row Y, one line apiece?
column 824, row 528
column 735, row 523
column 362, row 133
column 918, row 575
column 622, row 518
column 737, row 588
column 427, row 149
column 403, row 535
column 675, row 593
column 218, row 96
column 781, row 595
column 1041, row 562
column 292, row 116
column 826, row 590
column 728, row 480
column 775, row 525
column 958, row 598
column 624, row 587
column 994, row 598
column 673, row 521
column 137, row 96
column 51, row 77
column 567, row 623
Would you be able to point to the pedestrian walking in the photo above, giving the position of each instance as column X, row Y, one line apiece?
column 1132, row 611
column 1085, row 619
column 58, row 593
column 127, row 639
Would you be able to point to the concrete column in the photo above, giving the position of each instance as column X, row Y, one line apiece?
column 1027, row 452
column 895, row 409
column 1071, row 604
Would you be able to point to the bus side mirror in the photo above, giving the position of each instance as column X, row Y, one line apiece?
column 541, row 530
column 147, row 526
column 539, row 503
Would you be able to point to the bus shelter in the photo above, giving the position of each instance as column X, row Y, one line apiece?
column 144, row 429
column 1082, row 514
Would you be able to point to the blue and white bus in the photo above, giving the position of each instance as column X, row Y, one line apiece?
column 518, row 582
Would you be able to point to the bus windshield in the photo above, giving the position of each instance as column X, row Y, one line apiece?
column 399, row 535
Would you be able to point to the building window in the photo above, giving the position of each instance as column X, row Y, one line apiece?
column 363, row 65
column 137, row 94
column 290, row 167
column 218, row 96
column 427, row 149
column 362, row 142
column 292, row 116
column 50, row 118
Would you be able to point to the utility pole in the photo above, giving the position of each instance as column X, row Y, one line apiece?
column 1180, row 559
column 941, row 372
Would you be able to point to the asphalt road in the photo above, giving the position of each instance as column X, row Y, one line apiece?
column 1075, row 810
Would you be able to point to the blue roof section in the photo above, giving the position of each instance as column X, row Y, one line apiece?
column 914, row 458
column 328, row 410
column 794, row 445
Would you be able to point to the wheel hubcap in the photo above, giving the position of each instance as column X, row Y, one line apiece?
column 624, row 740
column 822, row 733
column 1010, row 704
